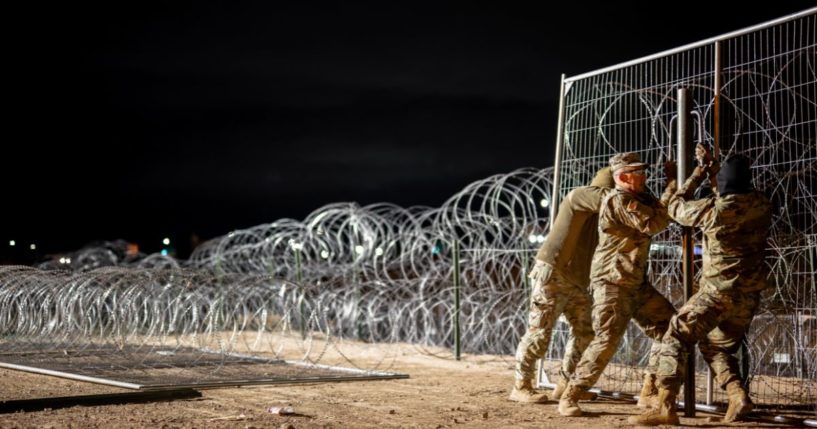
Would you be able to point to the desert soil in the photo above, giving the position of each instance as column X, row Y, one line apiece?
column 440, row 393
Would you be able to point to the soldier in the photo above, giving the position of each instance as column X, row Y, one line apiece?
column 560, row 277
column 628, row 218
column 735, row 226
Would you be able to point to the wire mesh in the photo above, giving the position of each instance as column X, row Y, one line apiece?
column 381, row 274
column 768, row 111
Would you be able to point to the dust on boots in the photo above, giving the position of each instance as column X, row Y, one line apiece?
column 559, row 390
column 663, row 414
column 739, row 403
column 569, row 402
column 523, row 391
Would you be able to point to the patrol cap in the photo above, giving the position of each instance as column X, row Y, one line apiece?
column 630, row 161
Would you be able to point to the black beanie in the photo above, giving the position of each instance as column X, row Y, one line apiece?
column 735, row 177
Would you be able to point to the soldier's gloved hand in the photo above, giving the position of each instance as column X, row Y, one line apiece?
column 714, row 167
column 702, row 155
column 540, row 273
column 670, row 170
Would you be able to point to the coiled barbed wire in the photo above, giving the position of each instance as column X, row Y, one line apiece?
column 378, row 273
column 383, row 273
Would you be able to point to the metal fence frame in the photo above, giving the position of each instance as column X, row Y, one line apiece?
column 711, row 127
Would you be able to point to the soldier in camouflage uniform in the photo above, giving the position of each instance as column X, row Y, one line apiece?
column 735, row 226
column 628, row 218
column 560, row 277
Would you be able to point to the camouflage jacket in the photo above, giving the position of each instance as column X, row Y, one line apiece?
column 627, row 223
column 735, row 229
column 569, row 245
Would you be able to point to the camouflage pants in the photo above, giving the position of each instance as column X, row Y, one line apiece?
column 716, row 320
column 549, row 299
column 613, row 307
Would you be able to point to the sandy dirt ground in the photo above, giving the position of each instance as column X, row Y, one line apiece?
column 440, row 393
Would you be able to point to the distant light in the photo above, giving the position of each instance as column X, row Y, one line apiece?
column 533, row 238
column 164, row 252
column 544, row 203
column 359, row 249
column 33, row 246
column 166, row 241
column 324, row 254
column 541, row 238
column 133, row 249
column 67, row 260
column 378, row 251
column 437, row 249
column 62, row 260
column 295, row 245
column 12, row 243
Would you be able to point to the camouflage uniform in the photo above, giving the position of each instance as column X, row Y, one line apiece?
column 560, row 279
column 621, row 292
column 735, row 229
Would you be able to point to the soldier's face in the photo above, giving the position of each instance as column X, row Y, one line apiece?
column 633, row 181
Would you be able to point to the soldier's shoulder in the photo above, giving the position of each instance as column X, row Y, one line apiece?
column 621, row 200
column 615, row 197
column 762, row 202
column 761, row 198
column 589, row 192
column 738, row 204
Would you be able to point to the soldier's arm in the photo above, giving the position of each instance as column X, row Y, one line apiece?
column 691, row 213
column 692, row 183
column 672, row 187
column 688, row 212
column 670, row 172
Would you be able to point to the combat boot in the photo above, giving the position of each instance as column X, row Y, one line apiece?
column 649, row 393
column 663, row 414
column 559, row 390
column 523, row 391
column 739, row 403
column 569, row 402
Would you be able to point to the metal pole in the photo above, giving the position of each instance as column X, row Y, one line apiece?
column 684, row 143
column 718, row 116
column 524, row 275
column 744, row 358
column 557, row 161
column 716, row 152
column 456, row 251
column 555, row 198
column 710, row 386
column 298, row 278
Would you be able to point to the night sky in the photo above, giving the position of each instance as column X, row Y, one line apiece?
column 141, row 121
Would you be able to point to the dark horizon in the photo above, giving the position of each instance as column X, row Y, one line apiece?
column 142, row 122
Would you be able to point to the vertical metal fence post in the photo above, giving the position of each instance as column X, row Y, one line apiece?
column 456, row 251
column 555, row 197
column 301, row 298
column 524, row 274
column 557, row 161
column 716, row 153
column 710, row 385
column 716, row 135
column 684, row 141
